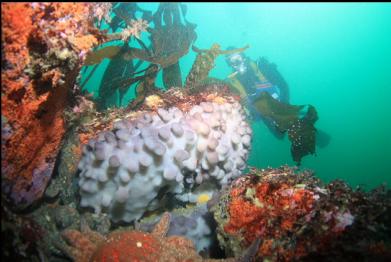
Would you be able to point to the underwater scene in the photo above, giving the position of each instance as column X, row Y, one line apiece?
column 195, row 131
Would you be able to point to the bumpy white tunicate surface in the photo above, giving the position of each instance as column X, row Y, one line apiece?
column 188, row 154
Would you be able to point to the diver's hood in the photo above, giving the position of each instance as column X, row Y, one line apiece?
column 238, row 62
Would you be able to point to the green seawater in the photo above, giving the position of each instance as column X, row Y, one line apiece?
column 335, row 56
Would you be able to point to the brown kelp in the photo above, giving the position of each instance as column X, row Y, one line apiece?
column 171, row 41
column 168, row 43
column 283, row 114
column 204, row 63
column 302, row 135
column 301, row 130
column 120, row 67
column 145, row 87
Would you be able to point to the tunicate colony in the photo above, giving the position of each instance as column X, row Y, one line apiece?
column 191, row 153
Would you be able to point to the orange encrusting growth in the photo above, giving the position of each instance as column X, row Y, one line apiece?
column 32, row 138
column 16, row 26
column 270, row 215
column 34, row 107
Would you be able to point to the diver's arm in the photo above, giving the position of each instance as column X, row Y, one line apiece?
column 235, row 85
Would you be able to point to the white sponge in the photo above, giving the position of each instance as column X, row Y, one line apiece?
column 190, row 153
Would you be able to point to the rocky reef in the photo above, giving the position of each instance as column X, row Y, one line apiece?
column 294, row 216
column 42, row 52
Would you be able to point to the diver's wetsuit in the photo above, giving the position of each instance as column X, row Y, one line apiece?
column 269, row 70
column 251, row 83
column 255, row 83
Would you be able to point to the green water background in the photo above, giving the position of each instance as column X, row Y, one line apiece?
column 335, row 56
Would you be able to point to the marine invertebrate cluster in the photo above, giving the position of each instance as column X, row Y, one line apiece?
column 63, row 36
column 89, row 245
column 153, row 101
column 135, row 28
column 42, row 46
column 184, row 147
column 101, row 11
column 174, row 150
column 293, row 215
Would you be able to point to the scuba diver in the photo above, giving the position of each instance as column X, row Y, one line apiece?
column 249, row 78
column 266, row 96
column 250, row 82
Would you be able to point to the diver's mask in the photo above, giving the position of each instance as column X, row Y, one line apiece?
column 237, row 62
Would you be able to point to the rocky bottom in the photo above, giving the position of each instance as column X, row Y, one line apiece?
column 279, row 214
